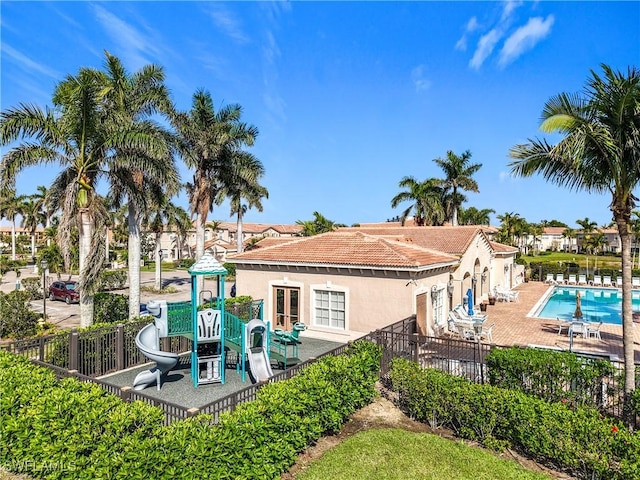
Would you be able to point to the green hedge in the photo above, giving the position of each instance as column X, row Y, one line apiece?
column 17, row 320
column 113, row 279
column 110, row 308
column 86, row 433
column 578, row 440
column 553, row 376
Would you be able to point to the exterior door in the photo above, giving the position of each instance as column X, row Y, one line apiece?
column 287, row 307
column 421, row 313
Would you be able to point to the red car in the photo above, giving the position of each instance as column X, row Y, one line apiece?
column 67, row 291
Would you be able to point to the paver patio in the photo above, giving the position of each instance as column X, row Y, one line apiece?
column 513, row 327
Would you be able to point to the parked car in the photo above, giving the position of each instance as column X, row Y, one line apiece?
column 67, row 291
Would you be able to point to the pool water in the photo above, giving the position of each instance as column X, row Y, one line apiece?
column 597, row 304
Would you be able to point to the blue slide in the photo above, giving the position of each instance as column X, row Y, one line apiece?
column 148, row 341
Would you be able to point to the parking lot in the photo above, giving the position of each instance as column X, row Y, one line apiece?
column 61, row 314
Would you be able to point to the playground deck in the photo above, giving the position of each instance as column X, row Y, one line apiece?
column 177, row 386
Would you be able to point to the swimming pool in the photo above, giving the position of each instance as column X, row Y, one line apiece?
column 597, row 304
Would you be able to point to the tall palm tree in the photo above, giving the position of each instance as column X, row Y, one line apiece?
column 159, row 216
column 42, row 201
column 32, row 216
column 426, row 198
column 458, row 176
column 133, row 99
column 508, row 227
column 207, row 139
column 569, row 234
column 11, row 205
column 242, row 184
column 599, row 152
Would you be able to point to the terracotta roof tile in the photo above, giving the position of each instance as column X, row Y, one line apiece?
column 347, row 248
column 452, row 240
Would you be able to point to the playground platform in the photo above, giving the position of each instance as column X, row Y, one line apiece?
column 178, row 388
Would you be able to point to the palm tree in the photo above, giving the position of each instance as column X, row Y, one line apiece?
column 207, row 141
column 160, row 215
column 473, row 216
column 132, row 99
column 569, row 234
column 10, row 207
column 319, row 224
column 458, row 172
column 427, row 199
column 508, row 227
column 32, row 216
column 599, row 152
column 42, row 201
column 242, row 183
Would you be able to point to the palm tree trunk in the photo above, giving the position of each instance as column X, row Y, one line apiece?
column 33, row 245
column 86, row 300
column 158, row 263
column 13, row 238
column 239, row 231
column 627, row 320
column 134, row 261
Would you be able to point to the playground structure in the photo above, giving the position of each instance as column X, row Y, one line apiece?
column 213, row 332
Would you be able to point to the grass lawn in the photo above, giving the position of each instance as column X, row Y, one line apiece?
column 400, row 454
column 602, row 261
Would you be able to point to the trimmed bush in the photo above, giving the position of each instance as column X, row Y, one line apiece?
column 110, row 308
column 17, row 320
column 113, row 279
column 577, row 440
column 91, row 434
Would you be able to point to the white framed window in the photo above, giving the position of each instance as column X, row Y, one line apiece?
column 329, row 308
column 438, row 300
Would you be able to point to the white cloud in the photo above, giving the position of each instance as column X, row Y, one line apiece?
column 420, row 83
column 486, row 44
column 509, row 7
column 27, row 64
column 132, row 42
column 525, row 38
column 471, row 26
column 227, row 23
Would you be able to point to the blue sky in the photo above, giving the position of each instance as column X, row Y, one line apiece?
column 349, row 97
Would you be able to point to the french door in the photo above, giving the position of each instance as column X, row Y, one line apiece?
column 286, row 307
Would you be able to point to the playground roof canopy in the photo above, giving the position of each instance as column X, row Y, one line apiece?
column 207, row 265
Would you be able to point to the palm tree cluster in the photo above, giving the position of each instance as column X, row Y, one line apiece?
column 434, row 200
column 107, row 126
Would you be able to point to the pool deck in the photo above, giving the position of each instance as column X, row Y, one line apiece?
column 513, row 327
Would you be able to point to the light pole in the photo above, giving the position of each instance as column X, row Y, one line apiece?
column 43, row 266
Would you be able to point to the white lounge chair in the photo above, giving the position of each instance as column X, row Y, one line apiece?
column 597, row 281
column 549, row 278
column 572, row 280
column 563, row 325
column 461, row 315
column 606, row 281
column 560, row 278
column 582, row 279
column 593, row 331
column 635, row 282
column 619, row 282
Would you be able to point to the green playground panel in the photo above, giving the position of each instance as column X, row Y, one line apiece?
column 179, row 319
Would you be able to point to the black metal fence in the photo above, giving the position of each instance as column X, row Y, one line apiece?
column 88, row 354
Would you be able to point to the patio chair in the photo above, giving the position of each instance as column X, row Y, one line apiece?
column 466, row 333
column 572, row 280
column 582, row 279
column 487, row 333
column 635, row 282
column 578, row 328
column 597, row 281
column 504, row 295
column 606, row 281
column 560, row 278
column 460, row 313
column 619, row 282
column 563, row 325
column 549, row 278
column 593, row 331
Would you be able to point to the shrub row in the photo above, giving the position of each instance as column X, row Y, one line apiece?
column 553, row 376
column 66, row 429
column 578, row 440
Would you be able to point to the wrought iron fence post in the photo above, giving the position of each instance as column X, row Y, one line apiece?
column 73, row 349
column 120, row 347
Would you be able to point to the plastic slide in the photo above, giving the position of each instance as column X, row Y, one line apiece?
column 148, row 342
column 258, row 356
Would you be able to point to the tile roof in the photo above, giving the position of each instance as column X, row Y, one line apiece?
column 452, row 240
column 346, row 248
